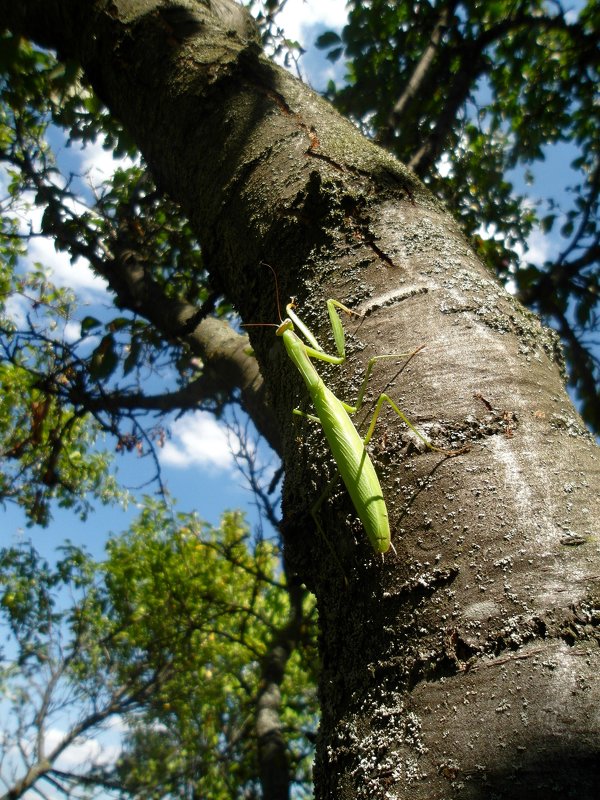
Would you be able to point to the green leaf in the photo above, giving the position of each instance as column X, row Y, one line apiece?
column 334, row 54
column 132, row 359
column 88, row 324
column 118, row 324
column 547, row 222
column 104, row 359
column 327, row 39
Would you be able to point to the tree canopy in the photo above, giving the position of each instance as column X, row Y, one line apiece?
column 475, row 97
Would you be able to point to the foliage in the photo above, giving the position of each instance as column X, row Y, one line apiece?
column 273, row 38
column 167, row 634
column 474, row 96
column 224, row 605
column 50, row 449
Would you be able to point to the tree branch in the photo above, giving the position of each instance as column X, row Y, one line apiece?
column 418, row 77
column 227, row 365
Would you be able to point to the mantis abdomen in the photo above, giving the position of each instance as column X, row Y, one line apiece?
column 355, row 466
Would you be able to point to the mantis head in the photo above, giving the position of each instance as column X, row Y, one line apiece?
column 286, row 325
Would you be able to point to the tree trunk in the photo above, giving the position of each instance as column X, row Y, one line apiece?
column 466, row 663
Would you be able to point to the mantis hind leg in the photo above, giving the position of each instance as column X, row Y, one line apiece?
column 384, row 398
column 314, row 512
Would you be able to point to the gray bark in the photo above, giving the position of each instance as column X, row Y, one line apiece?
column 464, row 665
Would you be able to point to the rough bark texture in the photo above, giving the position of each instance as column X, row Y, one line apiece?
column 465, row 665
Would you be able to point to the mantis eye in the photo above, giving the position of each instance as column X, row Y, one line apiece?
column 286, row 325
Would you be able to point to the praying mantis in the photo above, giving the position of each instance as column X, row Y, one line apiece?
column 348, row 448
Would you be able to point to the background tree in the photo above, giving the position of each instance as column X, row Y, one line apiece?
column 266, row 172
column 169, row 638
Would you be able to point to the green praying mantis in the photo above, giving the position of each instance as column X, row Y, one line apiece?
column 348, row 448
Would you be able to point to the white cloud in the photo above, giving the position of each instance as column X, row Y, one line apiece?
column 299, row 17
column 98, row 164
column 303, row 21
column 72, row 331
column 77, row 276
column 102, row 748
column 16, row 308
column 198, row 440
column 81, row 752
column 539, row 248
